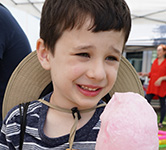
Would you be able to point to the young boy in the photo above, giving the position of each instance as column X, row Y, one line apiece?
column 80, row 43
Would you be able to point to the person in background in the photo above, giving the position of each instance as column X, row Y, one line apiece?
column 157, row 82
column 14, row 46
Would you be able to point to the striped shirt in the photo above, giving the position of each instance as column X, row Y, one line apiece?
column 35, row 139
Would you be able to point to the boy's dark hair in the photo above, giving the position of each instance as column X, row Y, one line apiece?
column 59, row 15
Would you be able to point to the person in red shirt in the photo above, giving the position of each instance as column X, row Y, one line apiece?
column 157, row 82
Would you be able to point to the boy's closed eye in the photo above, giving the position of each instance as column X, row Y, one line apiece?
column 111, row 58
column 83, row 54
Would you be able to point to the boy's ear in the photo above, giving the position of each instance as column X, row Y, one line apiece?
column 43, row 54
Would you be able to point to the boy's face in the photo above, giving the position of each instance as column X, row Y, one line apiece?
column 84, row 67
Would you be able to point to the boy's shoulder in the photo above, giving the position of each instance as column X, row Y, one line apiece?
column 13, row 116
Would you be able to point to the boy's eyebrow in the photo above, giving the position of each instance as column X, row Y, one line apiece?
column 82, row 47
column 115, row 50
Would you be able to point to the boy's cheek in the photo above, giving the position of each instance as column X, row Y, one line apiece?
column 77, row 70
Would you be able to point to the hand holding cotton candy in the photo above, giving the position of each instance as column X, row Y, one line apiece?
column 128, row 123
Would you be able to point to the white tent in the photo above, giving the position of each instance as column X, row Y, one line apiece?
column 148, row 21
column 148, row 24
column 33, row 7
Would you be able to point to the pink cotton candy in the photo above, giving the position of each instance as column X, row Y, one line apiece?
column 128, row 123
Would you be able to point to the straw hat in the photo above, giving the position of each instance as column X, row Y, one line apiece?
column 29, row 80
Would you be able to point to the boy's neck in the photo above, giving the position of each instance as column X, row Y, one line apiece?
column 60, row 123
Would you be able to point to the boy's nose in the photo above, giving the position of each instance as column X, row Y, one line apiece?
column 96, row 71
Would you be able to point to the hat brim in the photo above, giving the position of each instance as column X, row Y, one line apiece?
column 29, row 79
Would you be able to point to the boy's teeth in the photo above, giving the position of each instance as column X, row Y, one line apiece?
column 87, row 88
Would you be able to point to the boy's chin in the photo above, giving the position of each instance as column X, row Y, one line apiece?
column 86, row 104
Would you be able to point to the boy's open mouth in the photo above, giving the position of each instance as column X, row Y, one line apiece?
column 88, row 88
